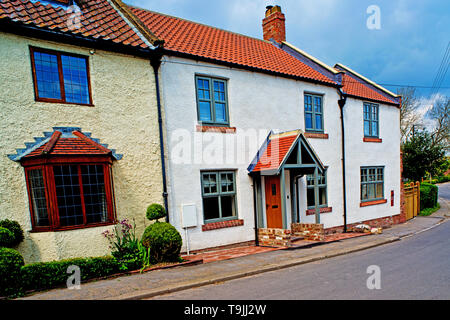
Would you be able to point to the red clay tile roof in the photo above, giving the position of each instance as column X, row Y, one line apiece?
column 64, row 141
column 355, row 87
column 275, row 152
column 98, row 20
column 199, row 40
column 78, row 145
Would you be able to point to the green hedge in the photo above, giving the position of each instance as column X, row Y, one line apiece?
column 47, row 275
column 428, row 195
column 11, row 262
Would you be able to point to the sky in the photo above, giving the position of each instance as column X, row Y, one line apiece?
column 406, row 47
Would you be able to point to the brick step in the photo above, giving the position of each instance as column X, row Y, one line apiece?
column 297, row 238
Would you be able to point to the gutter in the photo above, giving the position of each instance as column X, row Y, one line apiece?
column 341, row 102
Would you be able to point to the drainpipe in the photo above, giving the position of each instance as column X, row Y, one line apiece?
column 155, row 62
column 255, row 210
column 341, row 102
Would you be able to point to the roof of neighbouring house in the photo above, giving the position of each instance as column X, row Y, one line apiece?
column 98, row 20
column 64, row 141
column 358, row 86
column 197, row 40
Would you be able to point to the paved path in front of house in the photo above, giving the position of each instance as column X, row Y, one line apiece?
column 157, row 282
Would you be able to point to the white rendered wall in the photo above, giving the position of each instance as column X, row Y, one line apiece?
column 257, row 102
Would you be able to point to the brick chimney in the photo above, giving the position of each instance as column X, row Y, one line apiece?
column 274, row 24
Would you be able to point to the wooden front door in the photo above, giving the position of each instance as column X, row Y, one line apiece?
column 273, row 202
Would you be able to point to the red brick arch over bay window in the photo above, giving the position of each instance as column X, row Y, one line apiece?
column 69, row 181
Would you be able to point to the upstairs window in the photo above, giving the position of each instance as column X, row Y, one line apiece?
column 370, row 120
column 60, row 77
column 212, row 105
column 313, row 113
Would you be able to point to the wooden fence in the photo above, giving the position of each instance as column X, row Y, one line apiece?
column 412, row 200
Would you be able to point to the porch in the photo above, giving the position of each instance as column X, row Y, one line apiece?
column 276, row 169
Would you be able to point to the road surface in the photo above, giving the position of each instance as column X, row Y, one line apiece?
column 416, row 267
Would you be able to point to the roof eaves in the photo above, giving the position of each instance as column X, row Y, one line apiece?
column 247, row 67
column 314, row 59
column 339, row 65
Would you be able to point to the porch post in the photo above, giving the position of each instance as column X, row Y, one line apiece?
column 316, row 194
column 283, row 198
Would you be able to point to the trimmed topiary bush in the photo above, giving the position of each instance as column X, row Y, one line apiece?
column 155, row 211
column 6, row 238
column 164, row 242
column 11, row 262
column 428, row 195
column 15, row 228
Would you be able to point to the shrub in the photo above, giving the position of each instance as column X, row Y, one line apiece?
column 47, row 275
column 6, row 238
column 428, row 195
column 11, row 262
column 124, row 245
column 164, row 242
column 155, row 211
column 15, row 228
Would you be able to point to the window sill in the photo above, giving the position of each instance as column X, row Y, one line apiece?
column 69, row 104
column 316, row 135
column 68, row 228
column 311, row 212
column 369, row 139
column 222, row 224
column 372, row 203
column 211, row 128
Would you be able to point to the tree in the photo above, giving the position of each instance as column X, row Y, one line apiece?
column 409, row 117
column 440, row 114
column 421, row 156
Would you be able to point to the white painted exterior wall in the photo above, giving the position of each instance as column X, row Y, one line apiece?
column 262, row 103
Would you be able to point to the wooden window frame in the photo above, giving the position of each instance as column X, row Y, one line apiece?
column 323, row 185
column 212, row 101
column 61, row 77
column 375, row 182
column 47, row 165
column 371, row 121
column 313, row 112
column 218, row 195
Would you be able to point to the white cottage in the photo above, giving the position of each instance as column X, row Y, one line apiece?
column 260, row 136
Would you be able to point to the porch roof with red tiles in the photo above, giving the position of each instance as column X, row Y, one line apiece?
column 197, row 40
column 97, row 20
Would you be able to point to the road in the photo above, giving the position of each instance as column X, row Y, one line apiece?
column 444, row 191
column 416, row 267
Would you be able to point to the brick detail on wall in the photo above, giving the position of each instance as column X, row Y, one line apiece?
column 309, row 231
column 222, row 224
column 203, row 128
column 311, row 212
column 272, row 237
column 384, row 222
column 367, row 139
column 372, row 203
column 315, row 135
